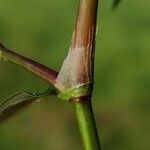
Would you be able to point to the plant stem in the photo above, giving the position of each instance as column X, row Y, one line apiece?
column 83, row 48
column 86, row 122
column 40, row 70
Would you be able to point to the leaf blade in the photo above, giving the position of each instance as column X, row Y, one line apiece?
column 16, row 103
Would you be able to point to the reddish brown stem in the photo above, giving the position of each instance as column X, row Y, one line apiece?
column 40, row 70
column 85, row 24
column 84, row 36
column 78, row 67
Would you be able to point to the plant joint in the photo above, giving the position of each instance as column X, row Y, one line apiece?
column 82, row 90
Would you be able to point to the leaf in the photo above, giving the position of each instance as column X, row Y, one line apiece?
column 115, row 3
column 18, row 101
column 15, row 103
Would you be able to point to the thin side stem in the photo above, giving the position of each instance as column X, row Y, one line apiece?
column 86, row 123
column 40, row 70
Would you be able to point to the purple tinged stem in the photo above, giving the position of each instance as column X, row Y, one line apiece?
column 40, row 70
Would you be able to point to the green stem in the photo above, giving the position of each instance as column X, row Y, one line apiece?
column 86, row 122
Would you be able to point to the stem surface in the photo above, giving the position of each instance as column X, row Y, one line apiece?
column 40, row 70
column 82, row 67
column 86, row 123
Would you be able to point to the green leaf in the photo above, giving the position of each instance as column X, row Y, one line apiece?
column 18, row 101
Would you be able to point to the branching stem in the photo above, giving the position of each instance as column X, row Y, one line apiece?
column 76, row 74
column 40, row 70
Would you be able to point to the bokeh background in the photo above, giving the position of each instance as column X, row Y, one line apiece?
column 41, row 30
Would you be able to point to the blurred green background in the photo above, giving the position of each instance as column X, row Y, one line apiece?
column 42, row 31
